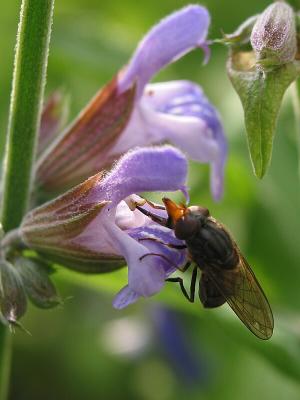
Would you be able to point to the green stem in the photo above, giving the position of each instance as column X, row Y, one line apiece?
column 24, row 119
column 25, row 107
column 296, row 106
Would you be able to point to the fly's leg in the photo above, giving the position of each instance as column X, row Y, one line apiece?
column 183, row 269
column 171, row 245
column 155, row 206
column 186, row 266
column 156, row 218
column 189, row 296
column 159, row 255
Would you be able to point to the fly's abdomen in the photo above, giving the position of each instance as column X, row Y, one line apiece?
column 212, row 245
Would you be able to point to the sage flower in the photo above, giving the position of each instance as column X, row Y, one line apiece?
column 94, row 223
column 130, row 112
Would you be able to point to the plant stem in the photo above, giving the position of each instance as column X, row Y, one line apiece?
column 24, row 119
column 25, row 107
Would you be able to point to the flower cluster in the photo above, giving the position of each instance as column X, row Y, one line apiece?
column 129, row 112
column 124, row 130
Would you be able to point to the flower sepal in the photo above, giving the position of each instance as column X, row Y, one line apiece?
column 241, row 36
column 37, row 284
column 13, row 302
column 273, row 37
column 261, row 94
column 54, row 116
column 261, row 75
column 74, row 155
column 51, row 229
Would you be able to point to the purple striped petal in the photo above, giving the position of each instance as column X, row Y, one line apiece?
column 147, row 277
column 174, row 36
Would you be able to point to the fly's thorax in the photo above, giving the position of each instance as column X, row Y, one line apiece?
column 212, row 245
column 191, row 222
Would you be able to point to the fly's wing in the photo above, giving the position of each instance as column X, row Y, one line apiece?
column 245, row 296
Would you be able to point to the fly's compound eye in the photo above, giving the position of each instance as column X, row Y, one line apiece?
column 186, row 227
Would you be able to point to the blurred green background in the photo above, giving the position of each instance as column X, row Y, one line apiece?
column 87, row 350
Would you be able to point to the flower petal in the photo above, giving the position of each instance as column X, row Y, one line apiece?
column 180, row 113
column 160, row 240
column 144, row 169
column 127, row 219
column 146, row 276
column 125, row 297
column 174, row 36
column 149, row 261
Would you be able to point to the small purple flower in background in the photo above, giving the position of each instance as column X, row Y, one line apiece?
column 93, row 225
column 176, row 343
column 129, row 112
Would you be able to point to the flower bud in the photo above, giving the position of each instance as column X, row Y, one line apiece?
column 273, row 36
column 13, row 301
column 37, row 284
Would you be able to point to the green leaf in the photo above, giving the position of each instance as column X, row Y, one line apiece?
column 261, row 92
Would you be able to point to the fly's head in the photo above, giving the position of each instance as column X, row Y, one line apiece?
column 186, row 221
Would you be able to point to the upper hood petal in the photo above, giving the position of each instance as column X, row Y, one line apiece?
column 174, row 36
column 149, row 169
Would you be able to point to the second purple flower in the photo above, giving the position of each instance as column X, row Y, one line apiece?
column 129, row 112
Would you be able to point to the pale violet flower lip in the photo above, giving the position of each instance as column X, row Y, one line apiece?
column 128, row 112
column 94, row 220
column 178, row 112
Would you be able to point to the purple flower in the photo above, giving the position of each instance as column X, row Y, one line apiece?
column 129, row 112
column 93, row 224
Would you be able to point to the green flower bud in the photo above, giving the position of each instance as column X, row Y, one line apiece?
column 273, row 37
column 37, row 284
column 13, row 301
